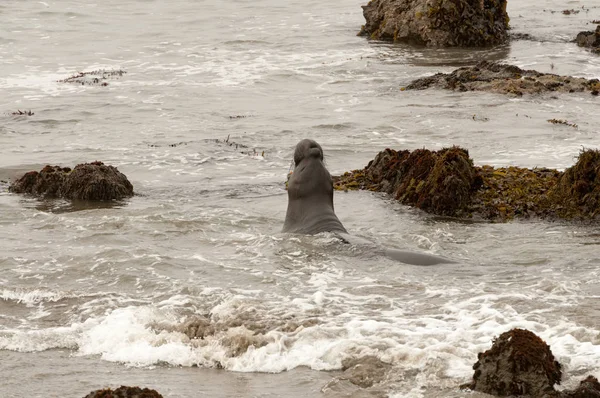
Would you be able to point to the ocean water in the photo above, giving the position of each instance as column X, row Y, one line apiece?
column 103, row 296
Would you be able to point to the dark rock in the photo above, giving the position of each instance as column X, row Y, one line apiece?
column 589, row 39
column 440, row 182
column 124, row 392
column 96, row 181
column 47, row 183
column 519, row 363
column 88, row 181
column 447, row 183
column 588, row 388
column 504, row 79
column 578, row 188
column 437, row 23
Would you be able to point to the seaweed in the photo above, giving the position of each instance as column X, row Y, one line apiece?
column 446, row 182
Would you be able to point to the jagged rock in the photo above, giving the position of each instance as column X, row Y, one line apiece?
column 519, row 363
column 505, row 79
column 125, row 392
column 88, row 181
column 437, row 23
column 447, row 183
column 590, row 39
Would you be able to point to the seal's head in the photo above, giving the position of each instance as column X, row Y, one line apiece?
column 310, row 193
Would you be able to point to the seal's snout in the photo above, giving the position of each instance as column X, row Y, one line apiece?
column 315, row 152
column 307, row 149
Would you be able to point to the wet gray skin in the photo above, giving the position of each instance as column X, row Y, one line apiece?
column 310, row 204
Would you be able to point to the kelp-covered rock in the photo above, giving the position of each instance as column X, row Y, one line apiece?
column 519, row 363
column 125, row 392
column 588, row 388
column 578, row 188
column 513, row 192
column 96, row 181
column 504, row 79
column 437, row 23
column 590, row 39
column 46, row 183
column 447, row 183
column 88, row 181
column 440, row 182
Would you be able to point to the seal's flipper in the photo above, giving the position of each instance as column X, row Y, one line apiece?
column 416, row 258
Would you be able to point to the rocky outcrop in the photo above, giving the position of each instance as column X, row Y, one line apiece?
column 88, row 181
column 447, row 183
column 519, row 363
column 590, row 39
column 439, row 182
column 437, row 23
column 504, row 79
column 125, row 392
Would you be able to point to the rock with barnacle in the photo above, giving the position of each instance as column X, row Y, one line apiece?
column 89, row 181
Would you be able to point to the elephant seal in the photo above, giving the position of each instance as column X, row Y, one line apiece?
column 310, row 204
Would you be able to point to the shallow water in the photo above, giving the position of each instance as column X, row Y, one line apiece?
column 97, row 296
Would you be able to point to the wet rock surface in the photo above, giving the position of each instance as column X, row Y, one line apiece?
column 89, row 181
column 437, row 23
column 439, row 182
column 519, row 363
column 590, row 39
column 365, row 371
column 588, row 388
column 447, row 183
column 504, row 79
column 125, row 392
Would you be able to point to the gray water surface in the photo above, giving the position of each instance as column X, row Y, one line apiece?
column 96, row 296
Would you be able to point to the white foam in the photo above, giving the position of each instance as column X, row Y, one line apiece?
column 31, row 297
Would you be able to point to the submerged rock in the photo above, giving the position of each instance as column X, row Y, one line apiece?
column 505, row 79
column 98, row 77
column 19, row 112
column 447, row 183
column 125, row 392
column 88, row 181
column 590, row 39
column 365, row 371
column 437, row 23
